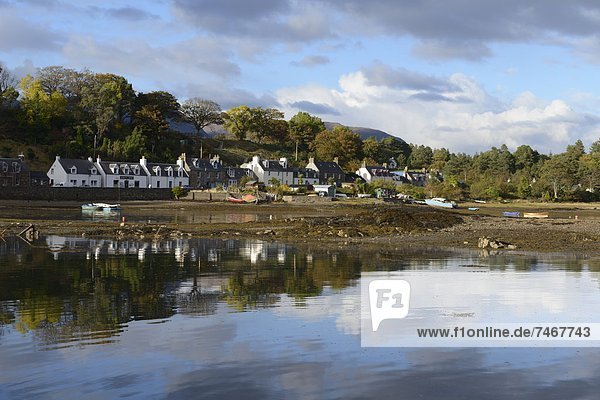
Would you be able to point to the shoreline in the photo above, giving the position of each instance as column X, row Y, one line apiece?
column 344, row 223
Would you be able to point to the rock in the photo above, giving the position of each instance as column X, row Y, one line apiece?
column 485, row 242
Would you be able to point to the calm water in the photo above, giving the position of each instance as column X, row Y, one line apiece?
column 226, row 319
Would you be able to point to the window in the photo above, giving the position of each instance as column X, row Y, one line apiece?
column 51, row 171
column 136, row 170
column 83, row 183
column 93, row 182
column 16, row 167
column 93, row 171
column 114, row 168
column 137, row 184
column 170, row 184
column 157, row 184
column 73, row 169
column 156, row 170
column 73, row 182
column 169, row 171
column 116, row 183
column 4, row 167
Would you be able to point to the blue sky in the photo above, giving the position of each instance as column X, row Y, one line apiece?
column 465, row 75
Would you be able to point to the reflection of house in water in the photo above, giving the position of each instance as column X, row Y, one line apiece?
column 200, row 295
column 262, row 251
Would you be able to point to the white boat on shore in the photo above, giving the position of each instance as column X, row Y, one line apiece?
column 100, row 207
column 440, row 202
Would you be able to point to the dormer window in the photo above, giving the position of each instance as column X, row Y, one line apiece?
column 136, row 169
column 156, row 170
column 16, row 167
column 266, row 163
column 114, row 168
column 73, row 169
column 93, row 171
column 180, row 172
column 125, row 169
column 4, row 167
column 169, row 171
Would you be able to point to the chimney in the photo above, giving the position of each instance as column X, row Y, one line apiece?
column 180, row 163
column 255, row 160
column 311, row 160
column 21, row 156
column 364, row 164
column 143, row 161
column 90, row 159
column 58, row 157
column 182, row 156
column 283, row 161
column 98, row 160
column 385, row 165
column 336, row 160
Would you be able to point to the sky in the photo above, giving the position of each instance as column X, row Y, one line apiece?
column 461, row 74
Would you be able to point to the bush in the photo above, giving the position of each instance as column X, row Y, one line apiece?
column 178, row 192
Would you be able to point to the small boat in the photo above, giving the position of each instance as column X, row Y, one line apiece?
column 440, row 202
column 535, row 215
column 511, row 214
column 250, row 198
column 100, row 207
column 473, row 209
column 232, row 199
column 90, row 207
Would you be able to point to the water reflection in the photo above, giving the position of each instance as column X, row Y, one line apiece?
column 184, row 318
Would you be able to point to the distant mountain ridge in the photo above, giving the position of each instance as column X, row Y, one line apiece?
column 364, row 133
column 214, row 130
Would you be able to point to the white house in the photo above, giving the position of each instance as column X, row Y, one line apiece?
column 327, row 171
column 374, row 173
column 265, row 170
column 165, row 175
column 74, row 173
column 122, row 174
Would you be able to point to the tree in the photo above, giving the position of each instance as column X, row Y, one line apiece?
column 372, row 149
column 303, row 129
column 525, row 157
column 201, row 113
column 263, row 121
column 420, row 156
column 42, row 110
column 556, row 173
column 340, row 142
column 165, row 102
column 239, row 121
column 8, row 93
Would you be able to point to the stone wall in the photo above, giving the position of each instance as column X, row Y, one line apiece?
column 306, row 199
column 203, row 195
column 83, row 194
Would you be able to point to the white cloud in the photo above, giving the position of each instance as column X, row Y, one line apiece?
column 461, row 115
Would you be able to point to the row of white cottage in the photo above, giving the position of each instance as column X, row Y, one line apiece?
column 98, row 173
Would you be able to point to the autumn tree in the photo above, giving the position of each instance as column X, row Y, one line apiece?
column 340, row 142
column 201, row 113
column 42, row 111
column 303, row 129
column 239, row 121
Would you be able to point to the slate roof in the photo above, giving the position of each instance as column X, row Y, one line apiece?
column 238, row 173
column 273, row 165
column 163, row 169
column 83, row 166
column 202, row 164
column 105, row 165
column 329, row 167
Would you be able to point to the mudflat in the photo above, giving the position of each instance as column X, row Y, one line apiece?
column 571, row 227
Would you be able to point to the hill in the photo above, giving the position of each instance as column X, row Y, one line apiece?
column 218, row 130
column 363, row 132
